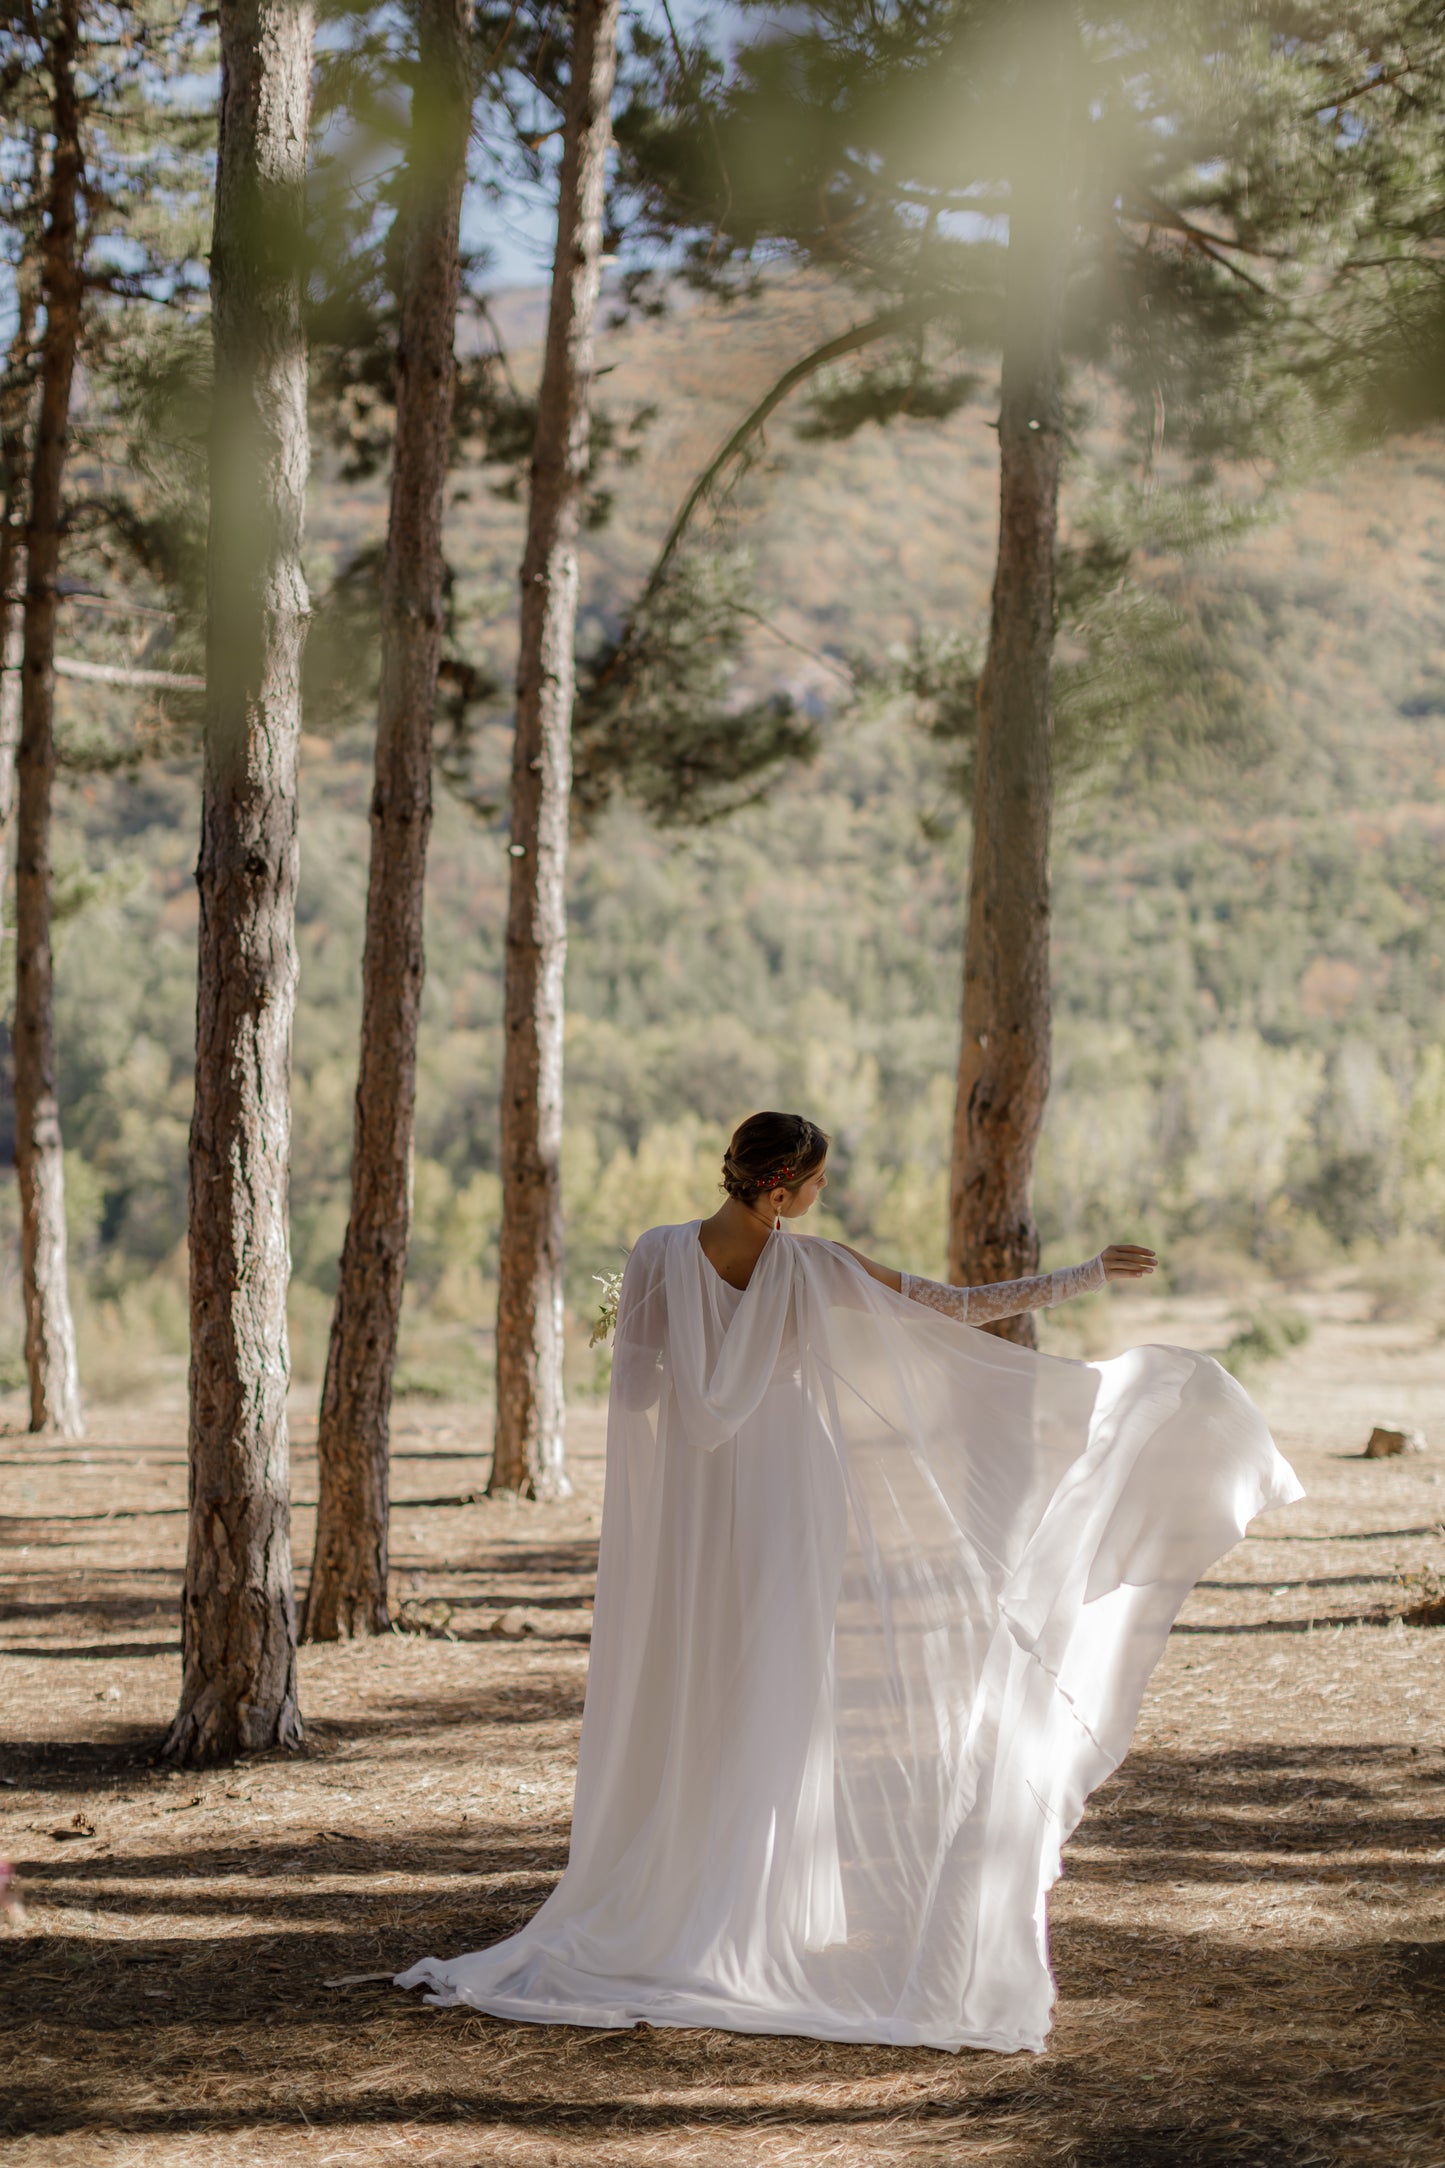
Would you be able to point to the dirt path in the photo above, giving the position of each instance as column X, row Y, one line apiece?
column 1248, row 1938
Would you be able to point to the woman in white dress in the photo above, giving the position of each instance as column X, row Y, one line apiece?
column 877, row 1599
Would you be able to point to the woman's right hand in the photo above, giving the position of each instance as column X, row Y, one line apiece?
column 1128, row 1261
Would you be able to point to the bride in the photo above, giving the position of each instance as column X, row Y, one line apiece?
column 877, row 1600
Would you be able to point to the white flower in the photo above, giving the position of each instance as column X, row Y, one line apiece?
column 611, row 1286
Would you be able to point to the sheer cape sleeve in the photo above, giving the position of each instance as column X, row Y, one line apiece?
column 1007, row 1298
column 877, row 1602
column 640, row 1333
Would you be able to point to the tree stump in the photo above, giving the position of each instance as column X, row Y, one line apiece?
column 1386, row 1443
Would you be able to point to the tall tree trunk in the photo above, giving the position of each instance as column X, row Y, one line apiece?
column 49, row 1330
column 15, row 407
column 16, row 411
column 238, row 1690
column 528, row 1454
column 348, row 1576
column 1003, row 1074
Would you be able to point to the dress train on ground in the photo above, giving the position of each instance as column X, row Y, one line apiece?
column 878, row 1597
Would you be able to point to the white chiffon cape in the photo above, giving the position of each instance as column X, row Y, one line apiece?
column 877, row 1600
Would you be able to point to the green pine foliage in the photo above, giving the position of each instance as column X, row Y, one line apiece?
column 133, row 569
column 657, row 719
column 1255, row 270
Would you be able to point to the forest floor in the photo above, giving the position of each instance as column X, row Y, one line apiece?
column 1248, row 1936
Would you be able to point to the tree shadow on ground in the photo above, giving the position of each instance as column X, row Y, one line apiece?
column 120, row 1607
column 1232, row 1629
column 63, row 1766
column 1175, row 2049
column 250, row 2020
column 89, row 1652
column 1278, row 1586
column 1263, row 1802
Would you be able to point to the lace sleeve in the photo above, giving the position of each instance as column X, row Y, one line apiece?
column 1006, row 1298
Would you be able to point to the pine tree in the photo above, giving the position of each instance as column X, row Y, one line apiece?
column 1003, row 1072
column 347, row 1595
column 1252, row 195
column 238, row 1688
column 528, row 1452
column 49, row 1330
column 84, row 147
column 16, row 399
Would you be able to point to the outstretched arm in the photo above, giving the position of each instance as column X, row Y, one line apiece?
column 1007, row 1298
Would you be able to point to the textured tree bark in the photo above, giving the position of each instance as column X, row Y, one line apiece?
column 1003, row 1073
column 49, row 1330
column 528, row 1452
column 238, row 1689
column 16, row 409
column 348, row 1577
column 15, row 405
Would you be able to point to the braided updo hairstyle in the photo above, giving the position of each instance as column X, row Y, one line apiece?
column 772, row 1151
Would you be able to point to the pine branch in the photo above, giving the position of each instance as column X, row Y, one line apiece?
column 801, row 647
column 885, row 326
column 1161, row 214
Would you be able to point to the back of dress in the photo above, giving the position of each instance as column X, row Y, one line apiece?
column 877, row 1599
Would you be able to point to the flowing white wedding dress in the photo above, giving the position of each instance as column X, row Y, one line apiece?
column 877, row 1600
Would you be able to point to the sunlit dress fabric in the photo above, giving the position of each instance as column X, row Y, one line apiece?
column 877, row 1600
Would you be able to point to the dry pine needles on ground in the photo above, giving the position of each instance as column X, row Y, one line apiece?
column 1247, row 1938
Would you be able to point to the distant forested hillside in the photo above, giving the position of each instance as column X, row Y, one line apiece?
column 1250, row 1064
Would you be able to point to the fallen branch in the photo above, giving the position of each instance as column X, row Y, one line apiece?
column 108, row 673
